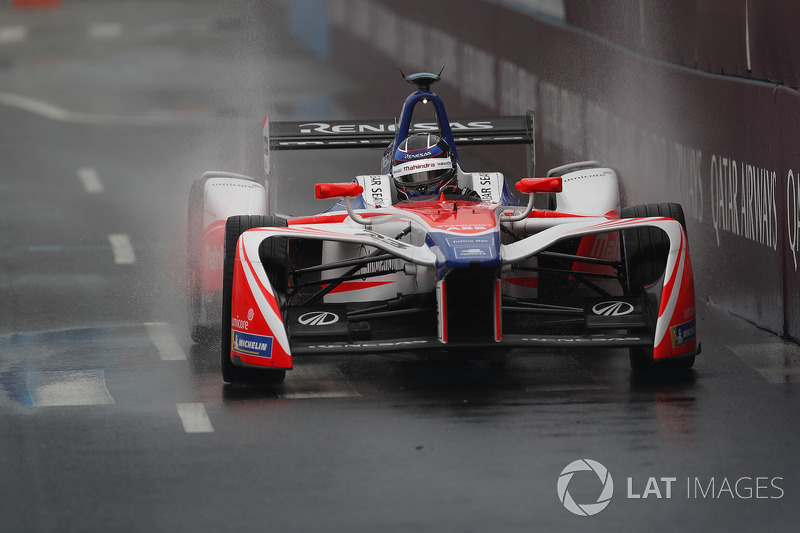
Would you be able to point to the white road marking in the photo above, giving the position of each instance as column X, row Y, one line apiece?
column 53, row 112
column 194, row 418
column 13, row 34
column 777, row 362
column 37, row 107
column 60, row 388
column 105, row 30
column 91, row 181
column 318, row 394
column 122, row 248
column 165, row 342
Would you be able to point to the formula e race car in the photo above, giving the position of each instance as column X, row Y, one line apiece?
column 428, row 258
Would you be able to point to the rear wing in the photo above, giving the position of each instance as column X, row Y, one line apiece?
column 311, row 135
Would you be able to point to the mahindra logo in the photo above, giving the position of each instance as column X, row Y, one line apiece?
column 318, row 318
column 420, row 166
column 612, row 309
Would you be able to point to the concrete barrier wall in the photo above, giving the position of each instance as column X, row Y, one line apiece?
column 640, row 91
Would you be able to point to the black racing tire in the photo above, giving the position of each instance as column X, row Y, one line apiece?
column 646, row 249
column 642, row 362
column 645, row 254
column 201, row 334
column 274, row 258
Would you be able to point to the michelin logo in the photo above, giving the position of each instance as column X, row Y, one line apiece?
column 252, row 345
column 683, row 333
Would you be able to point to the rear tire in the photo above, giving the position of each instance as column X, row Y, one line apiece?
column 273, row 257
column 646, row 251
column 200, row 334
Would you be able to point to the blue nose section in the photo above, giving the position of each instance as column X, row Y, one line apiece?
column 462, row 251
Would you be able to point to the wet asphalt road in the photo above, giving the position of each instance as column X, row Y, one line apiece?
column 112, row 420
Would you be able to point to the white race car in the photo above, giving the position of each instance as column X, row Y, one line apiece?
column 400, row 264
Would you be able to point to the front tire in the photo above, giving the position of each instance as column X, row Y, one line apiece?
column 646, row 251
column 274, row 259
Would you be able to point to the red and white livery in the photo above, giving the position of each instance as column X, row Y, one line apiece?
column 473, row 273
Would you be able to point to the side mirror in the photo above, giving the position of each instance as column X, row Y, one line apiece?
column 530, row 186
column 337, row 190
column 533, row 185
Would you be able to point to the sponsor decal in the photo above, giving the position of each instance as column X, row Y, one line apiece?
column 474, row 241
column 587, row 509
column 421, row 166
column 250, row 344
column 586, row 176
column 474, row 125
column 388, row 127
column 213, row 257
column 793, row 214
column 683, row 333
column 464, row 227
column 473, row 252
column 378, row 191
column 579, row 340
column 419, row 156
column 471, row 248
column 383, row 238
column 318, row 318
column 453, row 242
column 605, row 246
column 369, row 344
column 323, row 127
column 744, row 201
column 231, row 183
column 486, row 187
column 240, row 324
column 376, row 266
column 614, row 308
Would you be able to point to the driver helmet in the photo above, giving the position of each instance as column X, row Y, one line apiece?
column 423, row 164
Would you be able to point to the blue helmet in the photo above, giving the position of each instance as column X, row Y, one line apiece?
column 423, row 164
